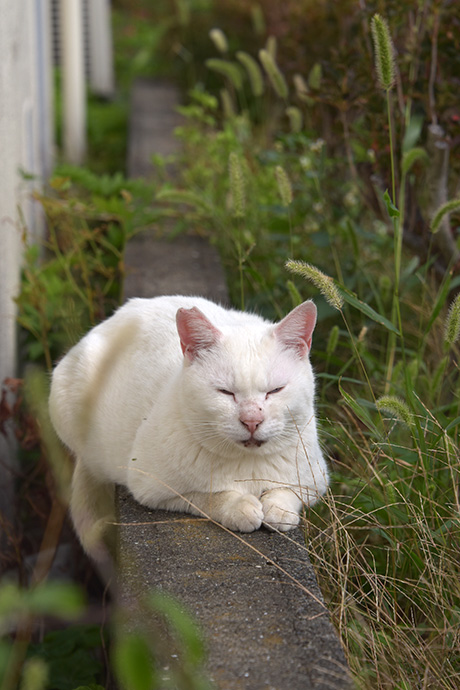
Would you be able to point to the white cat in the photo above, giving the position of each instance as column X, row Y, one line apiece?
column 194, row 408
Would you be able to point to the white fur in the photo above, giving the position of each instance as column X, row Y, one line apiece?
column 138, row 409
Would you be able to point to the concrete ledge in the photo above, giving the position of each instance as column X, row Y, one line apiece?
column 153, row 118
column 255, row 595
column 185, row 266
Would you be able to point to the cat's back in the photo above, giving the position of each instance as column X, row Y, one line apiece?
column 165, row 308
column 161, row 312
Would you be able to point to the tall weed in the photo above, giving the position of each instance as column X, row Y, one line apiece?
column 76, row 278
column 386, row 540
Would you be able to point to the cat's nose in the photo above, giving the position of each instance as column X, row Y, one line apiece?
column 252, row 423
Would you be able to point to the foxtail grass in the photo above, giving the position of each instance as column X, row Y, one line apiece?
column 274, row 74
column 452, row 327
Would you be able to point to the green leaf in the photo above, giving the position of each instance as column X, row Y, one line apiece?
column 181, row 623
column 133, row 663
column 57, row 598
column 413, row 132
column 10, row 599
column 35, row 350
column 181, row 196
column 411, row 157
column 34, row 674
column 365, row 309
column 70, row 657
column 359, row 411
column 51, row 598
column 5, row 652
column 441, row 299
column 393, row 212
column 453, row 424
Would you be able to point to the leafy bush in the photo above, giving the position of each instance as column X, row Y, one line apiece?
column 19, row 609
column 385, row 542
column 76, row 279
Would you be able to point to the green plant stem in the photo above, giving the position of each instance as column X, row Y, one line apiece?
column 44, row 338
column 358, row 356
column 17, row 656
column 291, row 241
column 392, row 162
column 241, row 272
column 397, row 231
column 241, row 266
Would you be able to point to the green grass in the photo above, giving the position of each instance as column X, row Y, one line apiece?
column 385, row 546
column 385, row 542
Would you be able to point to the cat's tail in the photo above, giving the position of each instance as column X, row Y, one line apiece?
column 92, row 508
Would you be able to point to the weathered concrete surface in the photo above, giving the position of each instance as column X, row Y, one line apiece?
column 255, row 596
column 186, row 265
column 152, row 120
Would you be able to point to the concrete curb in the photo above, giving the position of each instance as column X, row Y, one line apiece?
column 255, row 595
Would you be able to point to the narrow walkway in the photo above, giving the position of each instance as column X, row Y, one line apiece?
column 255, row 596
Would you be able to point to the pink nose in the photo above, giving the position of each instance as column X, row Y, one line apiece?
column 252, row 423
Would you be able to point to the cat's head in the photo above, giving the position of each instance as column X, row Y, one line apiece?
column 251, row 387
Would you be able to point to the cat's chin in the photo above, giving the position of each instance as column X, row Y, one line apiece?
column 252, row 443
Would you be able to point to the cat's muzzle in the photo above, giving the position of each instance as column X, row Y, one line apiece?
column 252, row 442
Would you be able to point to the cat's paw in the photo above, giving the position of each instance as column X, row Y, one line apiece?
column 244, row 514
column 279, row 514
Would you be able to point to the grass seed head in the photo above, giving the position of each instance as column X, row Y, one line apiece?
column 384, row 52
column 396, row 407
column 333, row 340
column 237, row 187
column 442, row 212
column 323, row 282
column 452, row 327
column 219, row 39
column 295, row 119
column 229, row 70
column 228, row 107
column 253, row 71
column 284, row 185
column 276, row 77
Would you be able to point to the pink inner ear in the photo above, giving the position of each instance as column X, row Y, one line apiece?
column 295, row 331
column 196, row 332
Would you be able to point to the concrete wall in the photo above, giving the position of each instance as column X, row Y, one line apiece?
column 26, row 143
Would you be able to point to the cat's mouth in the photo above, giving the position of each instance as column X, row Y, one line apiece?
column 251, row 442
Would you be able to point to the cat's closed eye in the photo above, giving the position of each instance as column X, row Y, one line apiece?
column 225, row 392
column 276, row 390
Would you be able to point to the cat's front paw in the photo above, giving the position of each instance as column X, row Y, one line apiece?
column 280, row 512
column 244, row 514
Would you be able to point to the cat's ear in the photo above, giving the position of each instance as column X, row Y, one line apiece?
column 196, row 332
column 295, row 331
